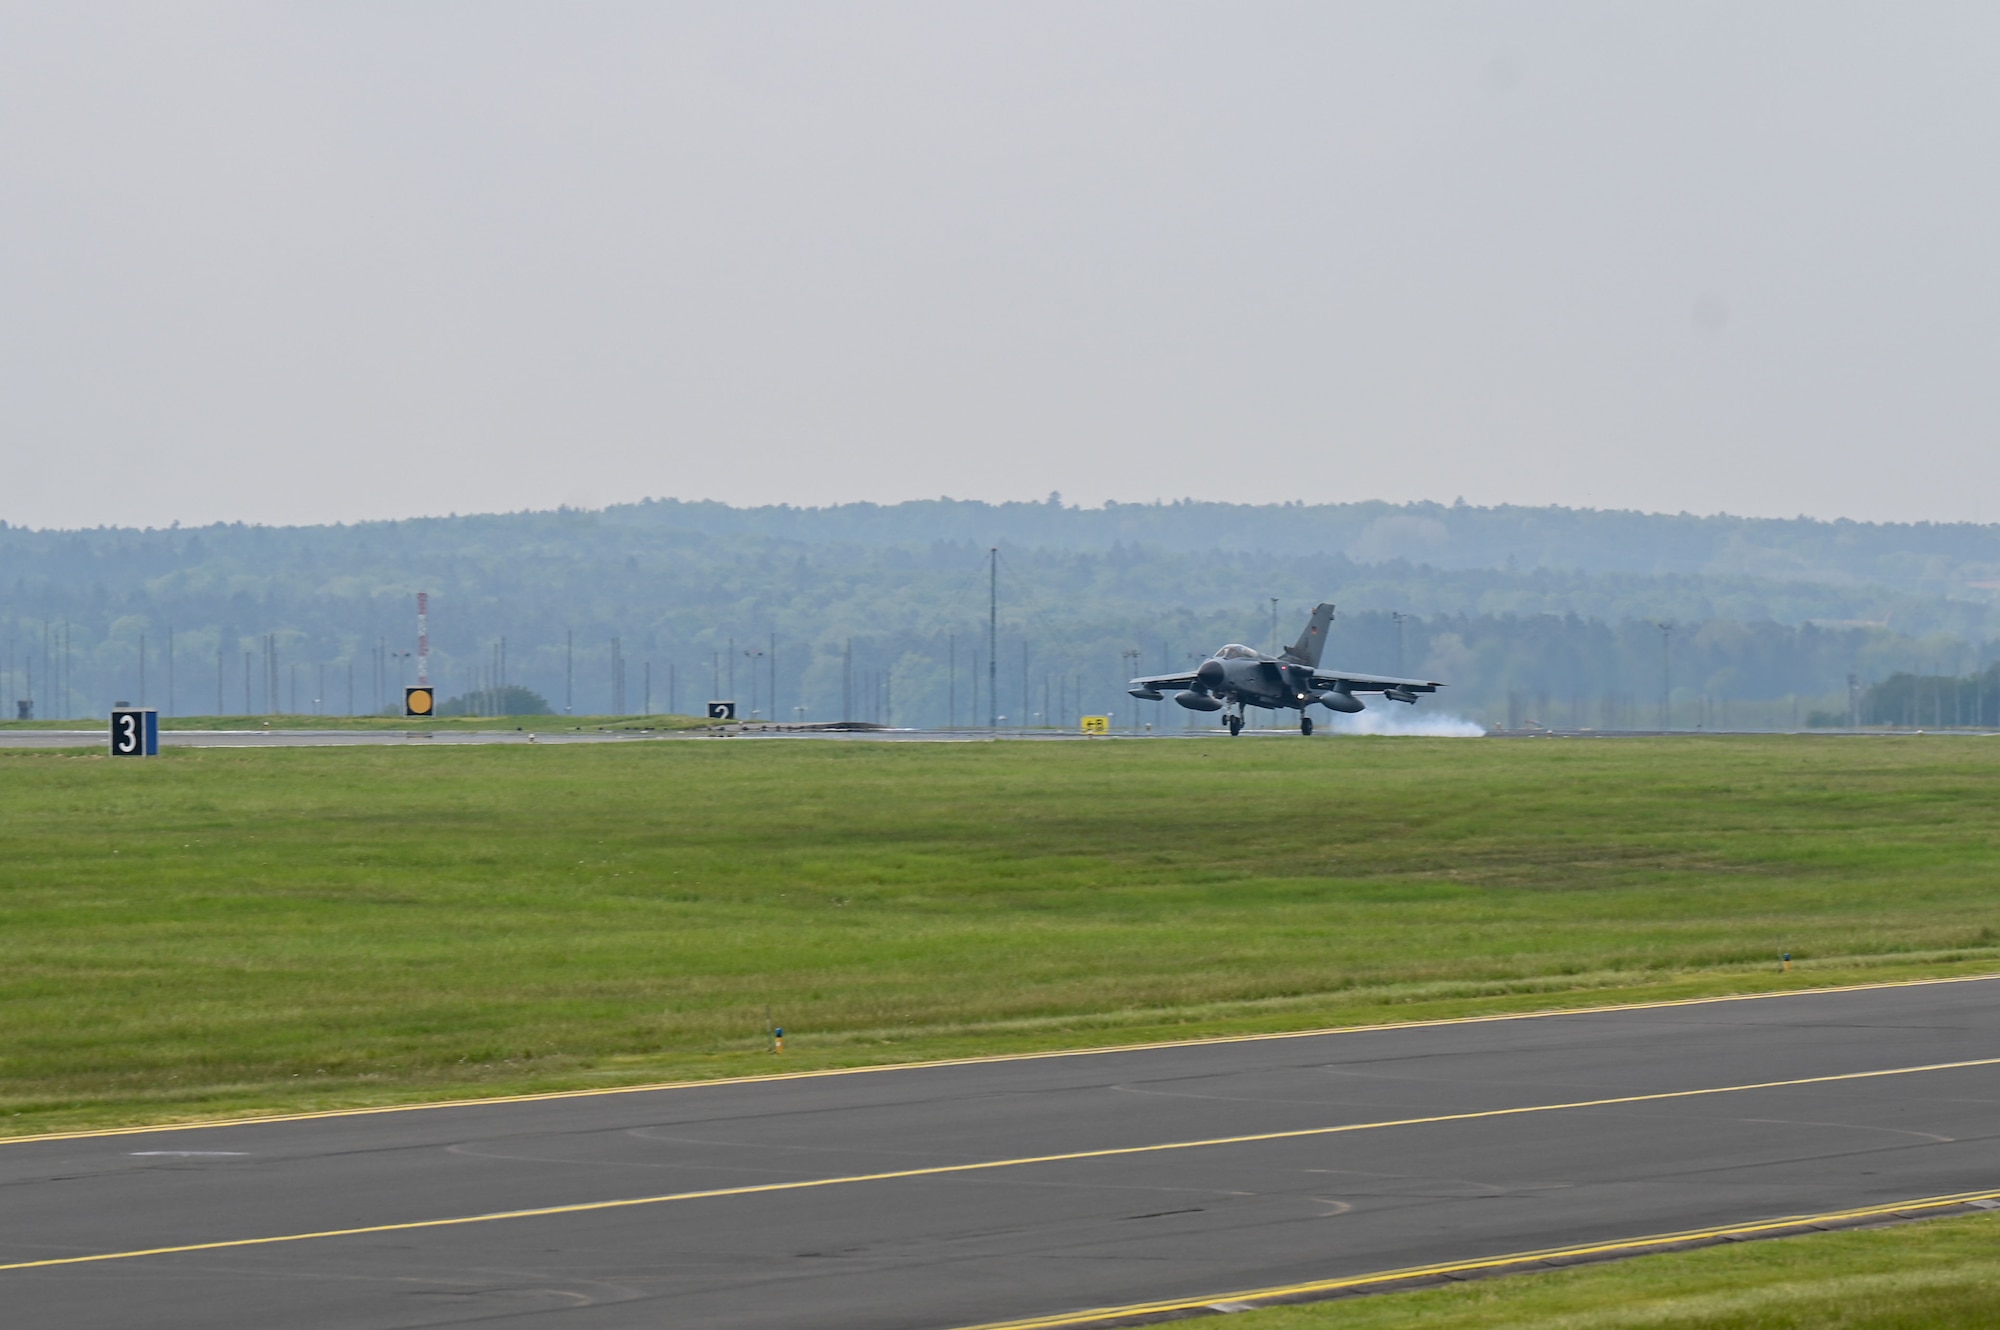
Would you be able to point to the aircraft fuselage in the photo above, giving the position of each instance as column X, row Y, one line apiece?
column 1259, row 682
column 1238, row 676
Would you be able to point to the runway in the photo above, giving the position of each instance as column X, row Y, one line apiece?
column 289, row 738
column 1022, row 1189
column 419, row 737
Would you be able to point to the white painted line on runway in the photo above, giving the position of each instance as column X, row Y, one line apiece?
column 1252, row 1299
column 551, row 1096
column 989, row 1165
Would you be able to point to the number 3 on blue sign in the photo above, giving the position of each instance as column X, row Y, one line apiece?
column 135, row 732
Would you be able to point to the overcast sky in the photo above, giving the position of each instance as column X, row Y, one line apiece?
column 308, row 262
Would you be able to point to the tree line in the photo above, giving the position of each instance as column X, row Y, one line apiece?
column 833, row 613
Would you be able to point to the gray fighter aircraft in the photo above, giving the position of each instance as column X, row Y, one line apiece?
column 1238, row 676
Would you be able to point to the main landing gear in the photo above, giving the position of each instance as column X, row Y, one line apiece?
column 1234, row 720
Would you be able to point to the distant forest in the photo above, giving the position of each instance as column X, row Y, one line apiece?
column 1532, row 616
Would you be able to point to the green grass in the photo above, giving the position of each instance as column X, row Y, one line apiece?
column 1940, row 1275
column 222, row 931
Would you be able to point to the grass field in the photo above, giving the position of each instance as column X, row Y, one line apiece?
column 1940, row 1275
column 223, row 931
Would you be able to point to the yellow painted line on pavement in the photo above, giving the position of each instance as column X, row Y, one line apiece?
column 988, row 1165
column 1624, row 1246
column 546, row 1096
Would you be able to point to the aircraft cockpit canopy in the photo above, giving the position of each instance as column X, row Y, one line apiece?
column 1236, row 651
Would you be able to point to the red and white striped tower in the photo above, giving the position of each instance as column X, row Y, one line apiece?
column 423, row 640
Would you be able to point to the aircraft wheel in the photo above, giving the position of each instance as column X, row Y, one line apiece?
column 1235, row 726
column 1305, row 725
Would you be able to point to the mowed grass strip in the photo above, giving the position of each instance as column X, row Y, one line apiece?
column 1936, row 1275
column 223, row 931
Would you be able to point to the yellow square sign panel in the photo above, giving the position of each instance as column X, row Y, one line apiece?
column 1097, row 724
column 419, row 702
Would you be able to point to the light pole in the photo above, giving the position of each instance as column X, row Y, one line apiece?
column 1666, row 675
column 1132, row 668
column 753, row 654
column 1398, row 616
column 993, row 638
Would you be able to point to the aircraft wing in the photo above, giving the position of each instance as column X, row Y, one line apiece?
column 1348, row 682
column 1160, row 683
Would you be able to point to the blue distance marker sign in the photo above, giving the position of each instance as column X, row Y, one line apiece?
column 135, row 732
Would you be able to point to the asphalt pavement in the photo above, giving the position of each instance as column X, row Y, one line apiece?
column 419, row 736
column 964, row 1194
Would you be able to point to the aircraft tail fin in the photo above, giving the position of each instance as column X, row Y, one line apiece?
column 1312, row 642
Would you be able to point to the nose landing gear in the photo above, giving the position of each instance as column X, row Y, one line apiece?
column 1306, row 726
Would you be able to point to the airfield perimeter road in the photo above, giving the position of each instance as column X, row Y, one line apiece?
column 941, row 1196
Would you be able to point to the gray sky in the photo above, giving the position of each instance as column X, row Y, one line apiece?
column 302, row 262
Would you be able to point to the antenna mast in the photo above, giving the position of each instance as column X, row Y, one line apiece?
column 993, row 637
column 423, row 640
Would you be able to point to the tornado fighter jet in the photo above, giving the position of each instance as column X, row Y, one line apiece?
column 1238, row 676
